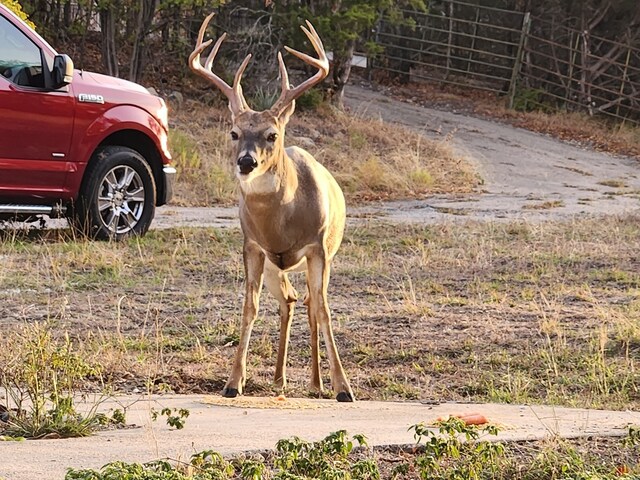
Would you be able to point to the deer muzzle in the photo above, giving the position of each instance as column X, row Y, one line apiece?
column 246, row 164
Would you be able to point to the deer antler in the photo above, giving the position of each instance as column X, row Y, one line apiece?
column 289, row 94
column 237, row 103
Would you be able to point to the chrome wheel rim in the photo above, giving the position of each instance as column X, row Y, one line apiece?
column 121, row 199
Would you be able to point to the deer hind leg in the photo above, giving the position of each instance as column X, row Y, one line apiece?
column 253, row 268
column 318, row 274
column 316, row 379
column 278, row 284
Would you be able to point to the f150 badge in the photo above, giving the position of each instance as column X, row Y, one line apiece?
column 90, row 98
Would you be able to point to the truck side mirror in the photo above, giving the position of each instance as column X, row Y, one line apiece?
column 62, row 73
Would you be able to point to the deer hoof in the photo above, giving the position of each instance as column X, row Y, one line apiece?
column 345, row 397
column 230, row 392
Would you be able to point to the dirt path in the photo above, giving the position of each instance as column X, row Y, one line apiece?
column 526, row 175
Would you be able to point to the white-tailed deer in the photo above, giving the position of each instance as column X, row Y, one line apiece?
column 292, row 213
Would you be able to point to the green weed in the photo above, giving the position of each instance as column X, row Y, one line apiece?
column 449, row 450
column 263, row 99
column 41, row 378
column 455, row 451
column 176, row 418
column 293, row 459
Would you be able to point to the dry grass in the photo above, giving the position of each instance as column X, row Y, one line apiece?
column 370, row 159
column 199, row 142
column 613, row 183
column 544, row 205
column 596, row 132
column 532, row 313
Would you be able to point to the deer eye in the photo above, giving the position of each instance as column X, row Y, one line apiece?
column 234, row 136
column 272, row 137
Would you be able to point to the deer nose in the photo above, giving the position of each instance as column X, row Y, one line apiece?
column 247, row 164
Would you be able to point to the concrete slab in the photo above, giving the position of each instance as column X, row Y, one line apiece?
column 234, row 426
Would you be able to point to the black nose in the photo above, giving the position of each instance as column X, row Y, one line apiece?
column 247, row 164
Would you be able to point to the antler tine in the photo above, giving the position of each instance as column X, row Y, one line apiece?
column 284, row 76
column 289, row 94
column 214, row 51
column 237, row 88
column 237, row 103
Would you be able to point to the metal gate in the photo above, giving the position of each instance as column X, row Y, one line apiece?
column 457, row 43
column 533, row 62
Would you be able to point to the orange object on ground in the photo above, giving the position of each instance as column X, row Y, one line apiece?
column 467, row 418
column 474, row 419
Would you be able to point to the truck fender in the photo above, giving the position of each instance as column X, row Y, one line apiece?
column 120, row 118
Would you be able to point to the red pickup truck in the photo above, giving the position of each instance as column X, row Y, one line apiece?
column 86, row 146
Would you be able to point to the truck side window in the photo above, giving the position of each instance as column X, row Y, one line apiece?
column 20, row 60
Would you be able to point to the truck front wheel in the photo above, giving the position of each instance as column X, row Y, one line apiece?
column 118, row 195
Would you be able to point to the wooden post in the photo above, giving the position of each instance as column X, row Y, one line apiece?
column 526, row 24
column 585, row 74
column 473, row 39
column 624, row 79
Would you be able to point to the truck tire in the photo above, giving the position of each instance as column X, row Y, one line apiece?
column 118, row 195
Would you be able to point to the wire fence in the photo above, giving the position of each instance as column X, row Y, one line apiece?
column 533, row 63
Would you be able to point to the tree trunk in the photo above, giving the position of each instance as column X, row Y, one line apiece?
column 85, row 30
column 140, row 48
column 40, row 15
column 66, row 15
column 108, row 27
column 55, row 13
column 340, row 73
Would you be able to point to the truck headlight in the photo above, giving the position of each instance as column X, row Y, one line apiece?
column 164, row 144
column 163, row 115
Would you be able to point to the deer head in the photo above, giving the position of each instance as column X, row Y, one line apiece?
column 258, row 137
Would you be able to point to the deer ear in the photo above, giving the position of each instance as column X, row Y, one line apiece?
column 286, row 112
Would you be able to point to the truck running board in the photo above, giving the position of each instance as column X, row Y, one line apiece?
column 55, row 211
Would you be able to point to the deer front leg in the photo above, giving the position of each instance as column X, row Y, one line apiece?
column 318, row 280
column 253, row 269
column 278, row 284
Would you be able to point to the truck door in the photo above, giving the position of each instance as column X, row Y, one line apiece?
column 35, row 124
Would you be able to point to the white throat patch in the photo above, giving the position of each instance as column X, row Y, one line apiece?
column 261, row 184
